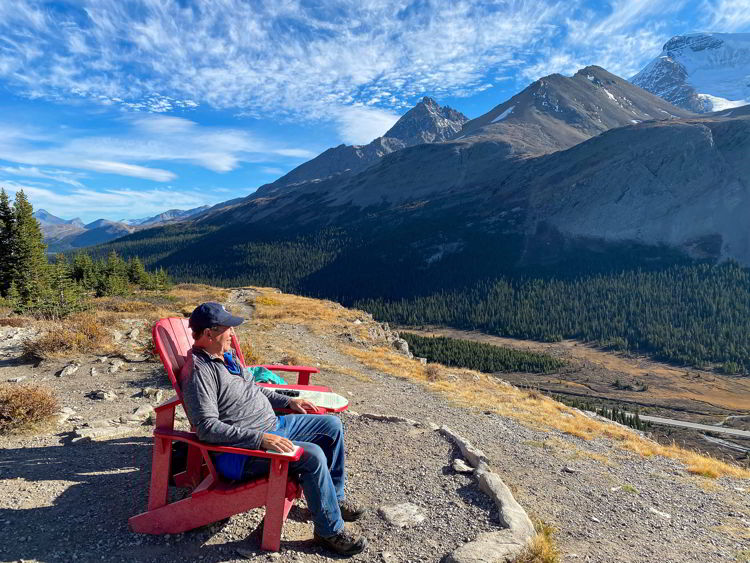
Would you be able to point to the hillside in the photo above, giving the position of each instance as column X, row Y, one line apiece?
column 613, row 495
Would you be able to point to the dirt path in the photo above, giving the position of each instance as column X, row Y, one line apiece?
column 65, row 501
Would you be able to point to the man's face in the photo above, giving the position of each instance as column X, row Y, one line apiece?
column 222, row 335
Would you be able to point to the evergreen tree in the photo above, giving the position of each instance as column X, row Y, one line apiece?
column 8, row 243
column 84, row 271
column 136, row 272
column 63, row 296
column 30, row 267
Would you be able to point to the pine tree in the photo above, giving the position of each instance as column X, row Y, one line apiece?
column 136, row 272
column 63, row 296
column 30, row 268
column 8, row 243
column 84, row 270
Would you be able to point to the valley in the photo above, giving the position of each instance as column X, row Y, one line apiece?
column 635, row 383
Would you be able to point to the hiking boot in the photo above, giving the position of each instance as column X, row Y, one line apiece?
column 343, row 543
column 350, row 511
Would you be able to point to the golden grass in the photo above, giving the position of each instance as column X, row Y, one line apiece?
column 81, row 333
column 743, row 556
column 320, row 316
column 249, row 353
column 198, row 293
column 543, row 548
column 23, row 406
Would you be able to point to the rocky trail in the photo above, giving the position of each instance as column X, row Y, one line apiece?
column 66, row 494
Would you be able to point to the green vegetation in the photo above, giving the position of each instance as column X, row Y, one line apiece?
column 615, row 413
column 479, row 356
column 29, row 284
column 692, row 315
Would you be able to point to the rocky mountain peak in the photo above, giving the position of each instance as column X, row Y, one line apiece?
column 694, row 42
column 427, row 122
column 557, row 112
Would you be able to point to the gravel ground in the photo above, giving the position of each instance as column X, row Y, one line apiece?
column 65, row 501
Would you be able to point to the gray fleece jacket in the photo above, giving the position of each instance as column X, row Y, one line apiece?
column 223, row 407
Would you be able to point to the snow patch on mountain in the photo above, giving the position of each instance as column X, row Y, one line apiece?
column 503, row 115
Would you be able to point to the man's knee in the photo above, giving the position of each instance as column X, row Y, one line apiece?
column 314, row 457
column 334, row 424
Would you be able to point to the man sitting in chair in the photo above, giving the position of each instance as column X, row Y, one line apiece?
column 226, row 409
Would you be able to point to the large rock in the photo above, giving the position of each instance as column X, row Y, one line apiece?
column 70, row 369
column 512, row 514
column 403, row 515
column 490, row 547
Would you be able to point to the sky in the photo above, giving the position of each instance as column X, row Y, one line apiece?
column 126, row 108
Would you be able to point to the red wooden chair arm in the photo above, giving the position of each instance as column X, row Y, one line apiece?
column 303, row 372
column 168, row 404
column 191, row 438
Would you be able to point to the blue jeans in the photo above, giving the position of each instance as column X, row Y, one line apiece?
column 320, row 470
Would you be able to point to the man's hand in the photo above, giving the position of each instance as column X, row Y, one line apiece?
column 302, row 406
column 278, row 443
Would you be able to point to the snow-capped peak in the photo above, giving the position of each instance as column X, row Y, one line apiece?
column 702, row 72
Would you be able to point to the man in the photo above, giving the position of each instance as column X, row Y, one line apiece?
column 227, row 409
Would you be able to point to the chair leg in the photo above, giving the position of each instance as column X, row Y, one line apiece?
column 277, row 506
column 193, row 474
column 161, row 458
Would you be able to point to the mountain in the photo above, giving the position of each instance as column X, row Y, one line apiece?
column 552, row 114
column 60, row 234
column 67, row 235
column 170, row 215
column 557, row 112
column 701, row 72
column 427, row 122
column 46, row 218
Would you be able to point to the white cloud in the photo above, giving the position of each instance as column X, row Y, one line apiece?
column 61, row 176
column 284, row 58
column 726, row 15
column 359, row 125
column 129, row 170
column 146, row 139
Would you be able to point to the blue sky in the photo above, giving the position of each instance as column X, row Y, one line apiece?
column 123, row 109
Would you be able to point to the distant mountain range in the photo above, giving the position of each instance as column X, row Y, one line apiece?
column 701, row 72
column 61, row 235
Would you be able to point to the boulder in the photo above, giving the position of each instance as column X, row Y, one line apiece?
column 403, row 515
column 490, row 547
column 70, row 369
column 104, row 395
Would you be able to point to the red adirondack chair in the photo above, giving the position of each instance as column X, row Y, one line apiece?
column 213, row 498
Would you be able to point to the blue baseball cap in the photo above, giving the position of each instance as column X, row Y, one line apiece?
column 212, row 314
